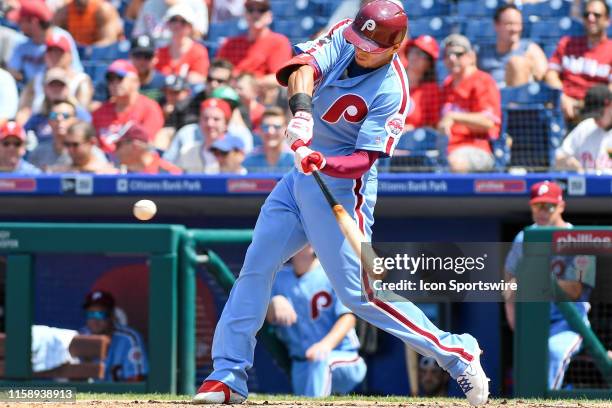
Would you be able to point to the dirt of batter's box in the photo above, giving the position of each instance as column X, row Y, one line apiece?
column 314, row 403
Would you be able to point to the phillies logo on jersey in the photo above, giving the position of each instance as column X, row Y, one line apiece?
column 369, row 25
column 350, row 106
column 320, row 301
column 395, row 125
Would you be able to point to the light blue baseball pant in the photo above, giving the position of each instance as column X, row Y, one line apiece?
column 295, row 213
column 563, row 344
column 340, row 373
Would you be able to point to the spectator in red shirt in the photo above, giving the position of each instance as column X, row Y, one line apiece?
column 261, row 51
column 183, row 56
column 582, row 62
column 471, row 108
column 422, row 53
column 126, row 106
column 136, row 155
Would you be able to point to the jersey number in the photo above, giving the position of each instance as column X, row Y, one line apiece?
column 320, row 301
column 351, row 107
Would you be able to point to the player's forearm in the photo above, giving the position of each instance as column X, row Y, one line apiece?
column 352, row 166
column 343, row 325
column 301, row 81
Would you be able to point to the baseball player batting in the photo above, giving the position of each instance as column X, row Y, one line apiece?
column 348, row 89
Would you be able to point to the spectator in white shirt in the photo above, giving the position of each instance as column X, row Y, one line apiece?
column 588, row 147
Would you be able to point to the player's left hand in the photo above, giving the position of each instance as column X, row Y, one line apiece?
column 318, row 351
column 305, row 157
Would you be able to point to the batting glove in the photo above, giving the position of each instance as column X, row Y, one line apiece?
column 305, row 158
column 299, row 129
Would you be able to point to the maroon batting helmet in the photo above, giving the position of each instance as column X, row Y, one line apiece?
column 378, row 26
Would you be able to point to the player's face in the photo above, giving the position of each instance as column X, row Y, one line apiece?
column 596, row 21
column 98, row 320
column 368, row 60
column 213, row 123
column 547, row 214
column 509, row 27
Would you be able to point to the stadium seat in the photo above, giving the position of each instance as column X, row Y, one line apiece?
column 217, row 31
column 296, row 29
column 110, row 52
column 437, row 27
column 532, row 125
column 549, row 30
column 548, row 9
column 421, row 149
column 477, row 8
column 291, row 8
column 479, row 30
column 427, row 8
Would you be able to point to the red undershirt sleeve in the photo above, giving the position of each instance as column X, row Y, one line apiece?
column 352, row 166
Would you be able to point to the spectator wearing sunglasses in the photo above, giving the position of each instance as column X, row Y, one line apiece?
column 471, row 108
column 271, row 156
column 80, row 144
column 12, row 150
column 260, row 51
column 126, row 359
column 229, row 152
column 183, row 56
column 125, row 107
column 142, row 56
column 219, row 74
column 580, row 63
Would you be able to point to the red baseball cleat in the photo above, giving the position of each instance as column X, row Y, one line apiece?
column 215, row 392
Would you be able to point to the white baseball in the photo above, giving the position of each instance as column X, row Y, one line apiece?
column 144, row 210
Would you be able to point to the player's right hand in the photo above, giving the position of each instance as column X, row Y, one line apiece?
column 280, row 312
column 299, row 130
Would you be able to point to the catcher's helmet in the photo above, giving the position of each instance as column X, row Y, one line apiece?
column 378, row 26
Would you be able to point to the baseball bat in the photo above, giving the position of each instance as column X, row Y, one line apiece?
column 412, row 368
column 349, row 228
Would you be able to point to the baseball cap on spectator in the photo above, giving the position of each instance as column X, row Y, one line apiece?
column 228, row 94
column 595, row 101
column 180, row 10
column 227, row 144
column 218, row 103
column 426, row 43
column 57, row 40
column 121, row 67
column 136, row 132
column 99, row 298
column 56, row 74
column 176, row 83
column 546, row 192
column 143, row 44
column 36, row 9
column 457, row 40
column 12, row 128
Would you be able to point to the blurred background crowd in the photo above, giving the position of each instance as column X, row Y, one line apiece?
column 188, row 86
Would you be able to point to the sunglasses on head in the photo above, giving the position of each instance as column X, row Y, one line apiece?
column 60, row 115
column 587, row 14
column 97, row 315
column 13, row 143
column 253, row 10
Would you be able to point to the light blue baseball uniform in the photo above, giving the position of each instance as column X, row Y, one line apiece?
column 563, row 341
column 126, row 356
column 363, row 112
column 318, row 309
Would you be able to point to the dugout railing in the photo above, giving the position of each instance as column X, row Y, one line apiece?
column 533, row 317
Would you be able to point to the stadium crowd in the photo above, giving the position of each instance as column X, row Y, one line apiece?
column 174, row 86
